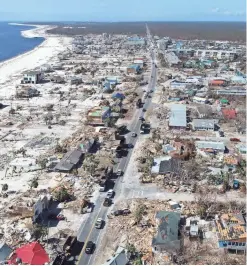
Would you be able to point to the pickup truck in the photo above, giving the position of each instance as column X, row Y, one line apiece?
column 121, row 212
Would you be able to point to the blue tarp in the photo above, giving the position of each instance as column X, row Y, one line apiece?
column 118, row 95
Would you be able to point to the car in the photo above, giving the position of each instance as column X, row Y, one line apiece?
column 99, row 223
column 110, row 193
column 221, row 133
column 119, row 172
column 145, row 96
column 141, row 118
column 133, row 134
column 130, row 146
column 118, row 155
column 235, row 139
column 107, row 202
column 89, row 247
column 144, row 109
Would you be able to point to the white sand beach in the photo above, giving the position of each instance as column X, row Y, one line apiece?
column 44, row 53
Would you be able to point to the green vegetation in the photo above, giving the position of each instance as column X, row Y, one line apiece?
column 140, row 211
column 61, row 194
column 39, row 231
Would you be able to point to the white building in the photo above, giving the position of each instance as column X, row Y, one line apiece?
column 32, row 77
column 199, row 100
column 204, row 124
column 219, row 54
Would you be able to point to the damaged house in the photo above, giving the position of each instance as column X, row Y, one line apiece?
column 165, row 165
column 231, row 233
column 168, row 234
column 70, row 161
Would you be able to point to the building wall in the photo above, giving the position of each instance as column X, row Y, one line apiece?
column 30, row 78
column 239, row 244
column 231, row 92
column 131, row 70
column 219, row 54
column 202, row 128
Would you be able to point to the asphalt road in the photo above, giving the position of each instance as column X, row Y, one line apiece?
column 87, row 231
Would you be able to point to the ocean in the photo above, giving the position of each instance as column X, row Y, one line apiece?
column 12, row 43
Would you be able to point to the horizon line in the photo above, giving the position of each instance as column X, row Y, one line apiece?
column 127, row 21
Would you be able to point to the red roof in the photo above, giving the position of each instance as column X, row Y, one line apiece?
column 229, row 113
column 32, row 254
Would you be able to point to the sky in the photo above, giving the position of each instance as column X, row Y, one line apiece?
column 122, row 10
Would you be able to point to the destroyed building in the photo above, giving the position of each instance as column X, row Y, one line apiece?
column 231, row 231
column 70, row 161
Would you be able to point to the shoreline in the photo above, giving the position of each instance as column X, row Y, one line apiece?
column 26, row 34
column 38, row 56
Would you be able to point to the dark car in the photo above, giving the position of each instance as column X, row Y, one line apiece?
column 221, row 133
column 107, row 202
column 89, row 247
column 118, row 155
column 144, row 109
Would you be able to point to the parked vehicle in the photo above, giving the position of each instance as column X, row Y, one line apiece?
column 99, row 223
column 139, row 103
column 107, row 202
column 110, row 193
column 121, row 212
column 59, row 217
column 118, row 155
column 102, row 187
column 89, row 247
column 133, row 134
column 122, row 142
column 221, row 133
column 119, row 172
column 235, row 139
column 122, row 129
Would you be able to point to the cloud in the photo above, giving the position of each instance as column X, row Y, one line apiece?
column 215, row 10
column 227, row 12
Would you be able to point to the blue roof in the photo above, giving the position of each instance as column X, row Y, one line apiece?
column 107, row 85
column 118, row 95
column 5, row 251
column 135, row 66
column 178, row 116
column 135, row 39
